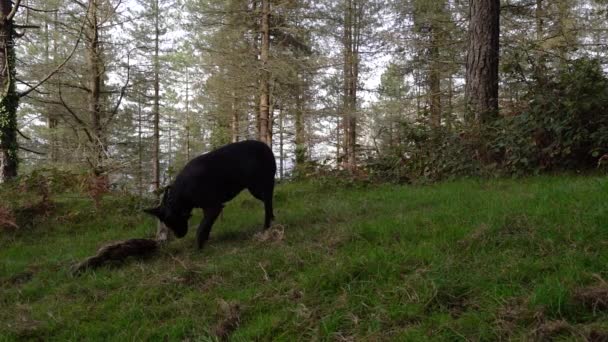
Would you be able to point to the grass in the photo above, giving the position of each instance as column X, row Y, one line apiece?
column 466, row 260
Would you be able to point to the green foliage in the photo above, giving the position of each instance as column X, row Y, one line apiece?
column 565, row 126
column 426, row 155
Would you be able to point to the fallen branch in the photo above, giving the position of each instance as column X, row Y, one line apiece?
column 117, row 252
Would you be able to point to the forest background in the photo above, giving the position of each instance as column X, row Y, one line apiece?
column 134, row 89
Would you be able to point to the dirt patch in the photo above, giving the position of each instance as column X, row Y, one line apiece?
column 196, row 280
column 550, row 329
column 18, row 279
column 508, row 317
column 596, row 335
column 476, row 236
column 455, row 300
column 7, row 219
column 514, row 228
column 230, row 317
column 275, row 233
column 594, row 297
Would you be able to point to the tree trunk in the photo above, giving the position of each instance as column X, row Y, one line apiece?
column 481, row 90
column 140, row 169
column 338, row 138
column 156, row 103
column 95, row 79
column 540, row 69
column 51, row 117
column 264, row 118
column 187, row 114
column 9, row 99
column 300, row 136
column 450, row 110
column 281, row 143
column 435, row 79
column 235, row 119
column 351, row 40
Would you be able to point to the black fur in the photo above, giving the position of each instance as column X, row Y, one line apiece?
column 214, row 178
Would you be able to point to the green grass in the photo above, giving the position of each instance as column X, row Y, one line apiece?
column 466, row 260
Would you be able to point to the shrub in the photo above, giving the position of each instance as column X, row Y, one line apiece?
column 565, row 126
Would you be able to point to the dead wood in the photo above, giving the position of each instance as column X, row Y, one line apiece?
column 117, row 252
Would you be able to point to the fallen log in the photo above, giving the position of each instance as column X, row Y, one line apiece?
column 117, row 252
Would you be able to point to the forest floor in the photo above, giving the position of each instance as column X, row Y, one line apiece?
column 522, row 259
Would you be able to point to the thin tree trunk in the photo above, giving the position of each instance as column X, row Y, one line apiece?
column 435, row 79
column 255, row 48
column 281, row 143
column 140, row 173
column 235, row 119
column 450, row 109
column 162, row 232
column 54, row 119
column 9, row 100
column 93, row 53
column 300, row 135
column 338, row 119
column 356, row 13
column 51, row 121
column 351, row 70
column 417, row 82
column 269, row 132
column 264, row 118
column 347, row 43
column 156, row 102
column 187, row 114
column 170, row 136
column 540, row 69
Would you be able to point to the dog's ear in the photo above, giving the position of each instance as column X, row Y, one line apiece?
column 153, row 211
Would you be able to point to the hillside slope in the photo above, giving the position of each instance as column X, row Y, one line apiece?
column 467, row 260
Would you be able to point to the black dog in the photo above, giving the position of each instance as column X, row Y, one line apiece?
column 214, row 178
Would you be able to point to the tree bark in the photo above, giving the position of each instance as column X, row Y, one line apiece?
column 156, row 102
column 95, row 80
column 264, row 116
column 187, row 114
column 51, row 117
column 481, row 91
column 9, row 100
column 300, row 135
column 435, row 79
column 140, row 169
column 540, row 69
column 281, row 144
column 236, row 118
column 351, row 42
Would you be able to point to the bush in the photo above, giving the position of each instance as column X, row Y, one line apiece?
column 426, row 155
column 565, row 126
